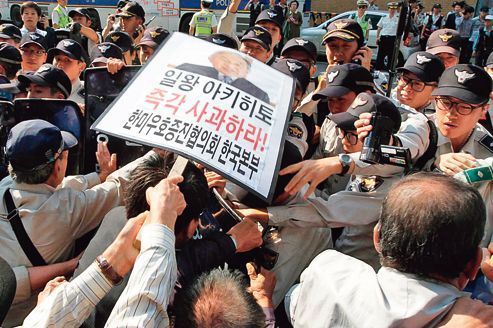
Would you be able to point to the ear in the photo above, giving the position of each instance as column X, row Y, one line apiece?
column 376, row 238
column 82, row 66
column 472, row 267
column 313, row 70
column 60, row 95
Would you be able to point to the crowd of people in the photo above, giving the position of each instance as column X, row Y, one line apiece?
column 382, row 214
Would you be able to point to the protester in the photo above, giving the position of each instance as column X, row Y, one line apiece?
column 272, row 22
column 410, row 237
column 465, row 29
column 433, row 22
column 31, row 15
column 453, row 17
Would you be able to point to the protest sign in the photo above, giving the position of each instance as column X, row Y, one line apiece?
column 211, row 104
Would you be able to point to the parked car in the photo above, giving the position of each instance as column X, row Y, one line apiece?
column 315, row 34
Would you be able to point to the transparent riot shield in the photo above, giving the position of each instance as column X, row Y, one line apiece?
column 101, row 88
column 65, row 114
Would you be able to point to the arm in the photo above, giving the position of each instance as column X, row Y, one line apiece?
column 148, row 292
column 89, row 33
column 226, row 22
column 191, row 30
column 214, row 24
column 109, row 25
column 55, row 18
column 74, row 301
column 262, row 286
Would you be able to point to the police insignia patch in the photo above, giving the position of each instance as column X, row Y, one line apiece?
column 271, row 14
column 258, row 32
column 218, row 41
column 67, row 43
column 445, row 37
column 421, row 59
column 359, row 101
column 103, row 48
column 331, row 76
column 487, row 142
column 115, row 38
column 292, row 66
column 301, row 42
column 340, row 25
column 154, row 34
column 463, row 76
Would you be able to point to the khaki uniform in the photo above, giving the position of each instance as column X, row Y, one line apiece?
column 54, row 219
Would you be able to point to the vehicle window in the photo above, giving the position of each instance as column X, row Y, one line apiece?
column 327, row 23
column 374, row 19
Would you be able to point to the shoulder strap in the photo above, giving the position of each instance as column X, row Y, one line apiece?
column 20, row 232
column 432, row 147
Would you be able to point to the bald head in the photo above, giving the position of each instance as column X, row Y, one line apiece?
column 431, row 224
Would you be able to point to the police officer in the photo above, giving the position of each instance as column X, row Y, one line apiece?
column 417, row 79
column 150, row 41
column 11, row 34
column 68, row 56
column 102, row 52
column 361, row 18
column 47, row 82
column 273, row 22
column 59, row 16
column 82, row 22
column 124, row 41
column 204, row 22
column 257, row 43
column 445, row 43
column 33, row 51
column 386, row 33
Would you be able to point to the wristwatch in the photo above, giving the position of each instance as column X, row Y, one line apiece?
column 108, row 270
column 346, row 161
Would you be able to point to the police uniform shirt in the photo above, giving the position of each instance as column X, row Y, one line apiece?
column 480, row 146
column 337, row 290
column 25, row 34
column 388, row 25
column 77, row 94
column 201, row 15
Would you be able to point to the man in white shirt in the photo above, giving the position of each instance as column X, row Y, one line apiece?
column 423, row 273
column 386, row 32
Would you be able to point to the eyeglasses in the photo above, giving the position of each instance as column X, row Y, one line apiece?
column 362, row 7
column 444, row 103
column 351, row 137
column 29, row 52
column 255, row 50
column 416, row 85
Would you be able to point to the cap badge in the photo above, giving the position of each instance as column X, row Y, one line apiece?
column 331, row 76
column 103, row 47
column 43, row 69
column 301, row 42
column 33, row 37
column 258, row 32
column 115, row 38
column 1, row 28
column 420, row 59
column 445, row 37
column 293, row 67
column 463, row 76
column 272, row 14
column 218, row 41
column 67, row 43
column 359, row 102
column 154, row 34
column 340, row 25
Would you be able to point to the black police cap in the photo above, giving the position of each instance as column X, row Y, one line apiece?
column 154, row 36
column 101, row 52
column 121, row 39
column 132, row 9
column 222, row 39
column 367, row 103
column 469, row 83
column 271, row 15
column 303, row 45
column 10, row 31
column 37, row 39
column 259, row 35
column 79, row 11
column 427, row 67
column 346, row 29
column 295, row 69
column 10, row 54
column 67, row 47
column 48, row 75
column 342, row 79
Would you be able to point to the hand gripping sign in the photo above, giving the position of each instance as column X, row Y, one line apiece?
column 211, row 104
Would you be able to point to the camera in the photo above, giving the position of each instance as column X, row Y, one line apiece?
column 378, row 136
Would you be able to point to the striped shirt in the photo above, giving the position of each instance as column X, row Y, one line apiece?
column 144, row 300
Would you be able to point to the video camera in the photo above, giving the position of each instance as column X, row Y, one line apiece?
column 375, row 146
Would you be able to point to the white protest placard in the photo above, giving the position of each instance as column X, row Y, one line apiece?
column 210, row 104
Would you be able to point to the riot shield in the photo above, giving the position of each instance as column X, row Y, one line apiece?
column 65, row 114
column 101, row 88
column 7, row 121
